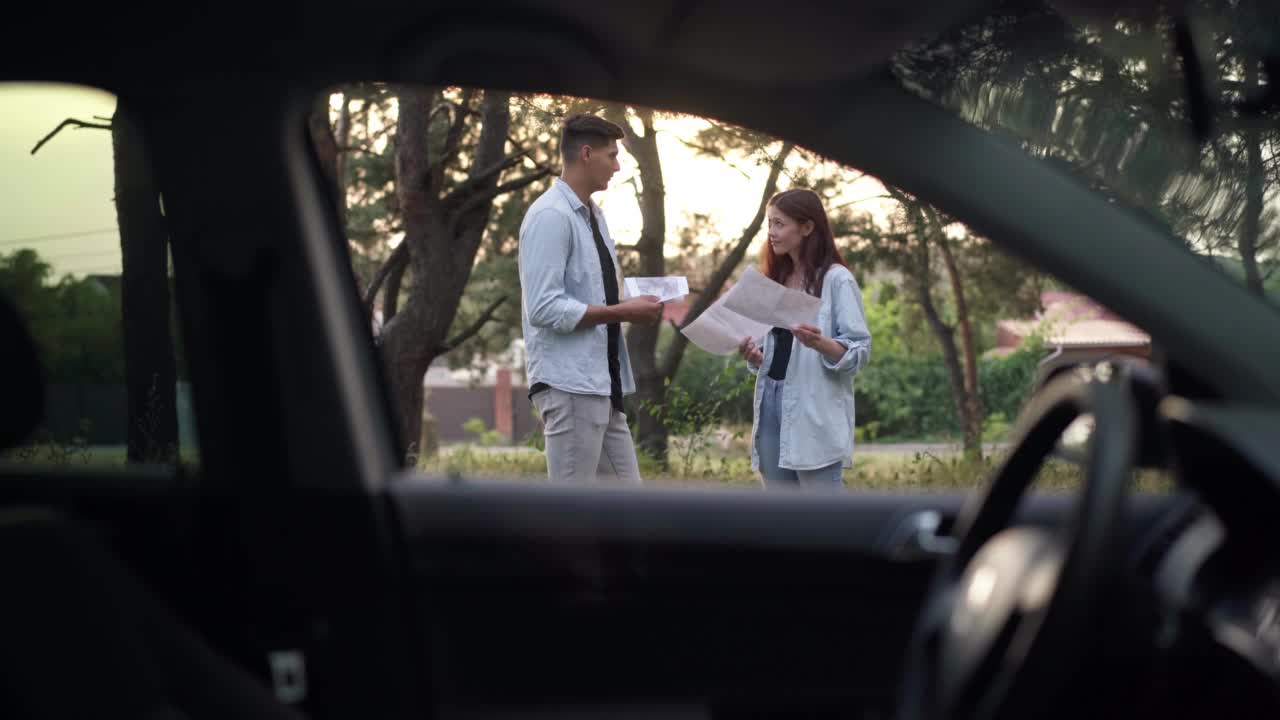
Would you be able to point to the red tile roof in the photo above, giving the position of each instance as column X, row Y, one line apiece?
column 1070, row 320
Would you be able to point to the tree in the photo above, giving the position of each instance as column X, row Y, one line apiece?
column 929, row 251
column 451, row 164
column 1106, row 99
column 75, row 322
column 150, row 368
column 151, row 373
column 654, row 367
column 535, row 126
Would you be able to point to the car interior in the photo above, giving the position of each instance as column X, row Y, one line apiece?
column 300, row 569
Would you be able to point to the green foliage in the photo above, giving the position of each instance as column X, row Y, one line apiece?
column 909, row 398
column 374, row 217
column 484, row 436
column 904, row 397
column 905, row 391
column 1105, row 99
column 903, row 394
column 472, row 463
column 76, row 322
column 51, row 452
column 693, row 418
column 995, row 428
column 1007, row 382
column 703, row 377
column 536, row 440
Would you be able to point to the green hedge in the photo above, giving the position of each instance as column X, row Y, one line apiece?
column 904, row 397
column 899, row 397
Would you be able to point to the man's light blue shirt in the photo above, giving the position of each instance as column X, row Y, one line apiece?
column 560, row 275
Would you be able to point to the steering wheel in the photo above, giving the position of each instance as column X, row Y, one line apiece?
column 1001, row 624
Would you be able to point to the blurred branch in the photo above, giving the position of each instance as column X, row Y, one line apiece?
column 359, row 149
column 70, row 122
column 715, row 153
column 453, row 140
column 481, row 198
column 453, row 342
column 481, row 177
column 442, row 107
column 851, row 203
column 671, row 359
column 399, row 256
column 515, row 142
column 525, row 101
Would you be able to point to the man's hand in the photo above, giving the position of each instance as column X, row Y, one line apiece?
column 752, row 354
column 643, row 309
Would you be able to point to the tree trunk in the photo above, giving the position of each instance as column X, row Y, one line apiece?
column 654, row 374
column 330, row 148
column 944, row 334
column 406, row 366
column 972, row 417
column 443, row 233
column 720, row 276
column 1251, row 228
column 407, row 338
column 150, row 370
column 391, row 291
column 919, row 269
column 342, row 136
column 642, row 339
column 326, row 147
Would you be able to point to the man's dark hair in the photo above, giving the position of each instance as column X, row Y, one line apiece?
column 586, row 129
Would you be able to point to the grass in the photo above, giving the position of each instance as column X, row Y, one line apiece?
column 720, row 465
column 56, row 454
column 917, row 472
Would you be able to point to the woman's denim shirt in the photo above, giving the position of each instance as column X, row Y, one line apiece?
column 817, row 396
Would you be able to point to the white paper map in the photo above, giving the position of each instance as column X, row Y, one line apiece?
column 719, row 330
column 666, row 288
column 765, row 301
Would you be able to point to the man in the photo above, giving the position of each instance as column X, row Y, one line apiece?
column 575, row 354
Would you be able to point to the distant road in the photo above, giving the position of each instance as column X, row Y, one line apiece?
column 913, row 448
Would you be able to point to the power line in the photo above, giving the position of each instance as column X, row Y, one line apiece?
column 87, row 253
column 59, row 236
column 114, row 270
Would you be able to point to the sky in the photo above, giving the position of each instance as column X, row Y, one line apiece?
column 59, row 201
column 729, row 195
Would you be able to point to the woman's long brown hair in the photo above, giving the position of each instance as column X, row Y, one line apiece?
column 817, row 251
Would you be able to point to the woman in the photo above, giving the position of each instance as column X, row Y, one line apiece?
column 802, row 433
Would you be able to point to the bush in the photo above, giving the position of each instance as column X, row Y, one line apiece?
column 76, row 322
column 703, row 378
column 910, row 397
column 904, row 397
column 484, row 436
column 1007, row 382
column 901, row 394
column 693, row 417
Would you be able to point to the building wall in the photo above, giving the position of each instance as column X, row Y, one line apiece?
column 453, row 406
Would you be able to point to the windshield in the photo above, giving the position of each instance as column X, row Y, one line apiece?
column 1171, row 115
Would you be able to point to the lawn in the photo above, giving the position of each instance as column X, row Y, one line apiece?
column 716, row 465
column 872, row 471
